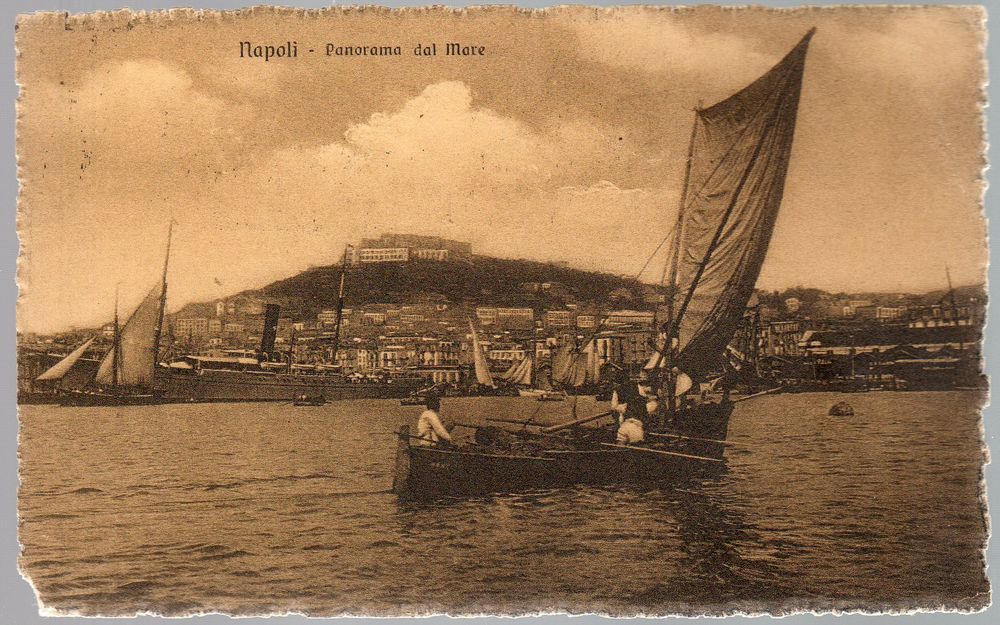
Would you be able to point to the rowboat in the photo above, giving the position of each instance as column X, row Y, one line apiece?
column 531, row 462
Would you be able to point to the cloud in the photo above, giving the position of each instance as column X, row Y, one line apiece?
column 655, row 41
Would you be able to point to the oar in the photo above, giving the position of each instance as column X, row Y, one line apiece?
column 564, row 426
column 661, row 452
column 690, row 438
column 767, row 392
column 514, row 421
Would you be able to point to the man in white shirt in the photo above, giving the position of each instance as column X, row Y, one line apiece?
column 630, row 431
column 430, row 430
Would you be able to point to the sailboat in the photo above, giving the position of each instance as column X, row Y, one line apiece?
column 738, row 157
column 485, row 384
column 524, row 374
column 46, row 388
column 126, row 374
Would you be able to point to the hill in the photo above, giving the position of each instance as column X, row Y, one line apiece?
column 483, row 281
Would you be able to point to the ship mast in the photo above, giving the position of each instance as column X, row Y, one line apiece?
column 163, row 300
column 340, row 306
column 116, row 347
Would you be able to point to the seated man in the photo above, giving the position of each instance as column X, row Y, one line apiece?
column 429, row 427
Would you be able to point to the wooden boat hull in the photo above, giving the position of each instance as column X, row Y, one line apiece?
column 428, row 472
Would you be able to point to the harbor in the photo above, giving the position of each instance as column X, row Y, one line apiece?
column 567, row 332
column 162, row 507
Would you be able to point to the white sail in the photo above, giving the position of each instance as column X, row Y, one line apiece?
column 138, row 341
column 61, row 368
column 479, row 359
column 573, row 367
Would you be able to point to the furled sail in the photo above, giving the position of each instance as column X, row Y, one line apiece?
column 520, row 372
column 483, row 375
column 61, row 368
column 575, row 367
column 740, row 152
column 138, row 341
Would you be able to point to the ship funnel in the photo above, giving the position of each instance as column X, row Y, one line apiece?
column 271, row 313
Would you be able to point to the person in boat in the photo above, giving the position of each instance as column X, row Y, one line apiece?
column 648, row 383
column 630, row 431
column 639, row 396
column 430, row 429
column 630, row 405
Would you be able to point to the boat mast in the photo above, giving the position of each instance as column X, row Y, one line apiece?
column 670, row 348
column 116, row 347
column 340, row 306
column 163, row 300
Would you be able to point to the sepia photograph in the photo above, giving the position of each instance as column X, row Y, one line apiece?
column 636, row 311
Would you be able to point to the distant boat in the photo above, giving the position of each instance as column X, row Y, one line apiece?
column 309, row 400
column 126, row 375
column 48, row 387
column 524, row 374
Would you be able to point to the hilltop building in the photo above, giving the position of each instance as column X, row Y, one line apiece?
column 402, row 248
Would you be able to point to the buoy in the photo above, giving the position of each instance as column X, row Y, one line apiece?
column 841, row 409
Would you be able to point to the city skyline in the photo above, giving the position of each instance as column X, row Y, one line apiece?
column 271, row 168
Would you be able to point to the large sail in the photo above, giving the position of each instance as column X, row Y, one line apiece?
column 138, row 341
column 739, row 157
column 61, row 368
column 483, row 375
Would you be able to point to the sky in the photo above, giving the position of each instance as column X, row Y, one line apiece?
column 565, row 142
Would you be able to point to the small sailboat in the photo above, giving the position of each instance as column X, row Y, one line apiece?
column 524, row 374
column 126, row 374
column 485, row 384
column 738, row 157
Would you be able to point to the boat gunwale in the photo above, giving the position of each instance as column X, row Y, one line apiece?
column 478, row 454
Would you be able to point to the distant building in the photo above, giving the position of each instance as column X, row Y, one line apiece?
column 629, row 317
column 382, row 255
column 890, row 312
column 792, row 305
column 558, row 319
column 215, row 327
column 427, row 254
column 405, row 247
column 193, row 326
column 515, row 316
column 486, row 315
column 586, row 321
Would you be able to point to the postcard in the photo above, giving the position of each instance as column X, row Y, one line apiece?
column 384, row 312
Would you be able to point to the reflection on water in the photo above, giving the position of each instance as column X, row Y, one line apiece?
column 249, row 508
